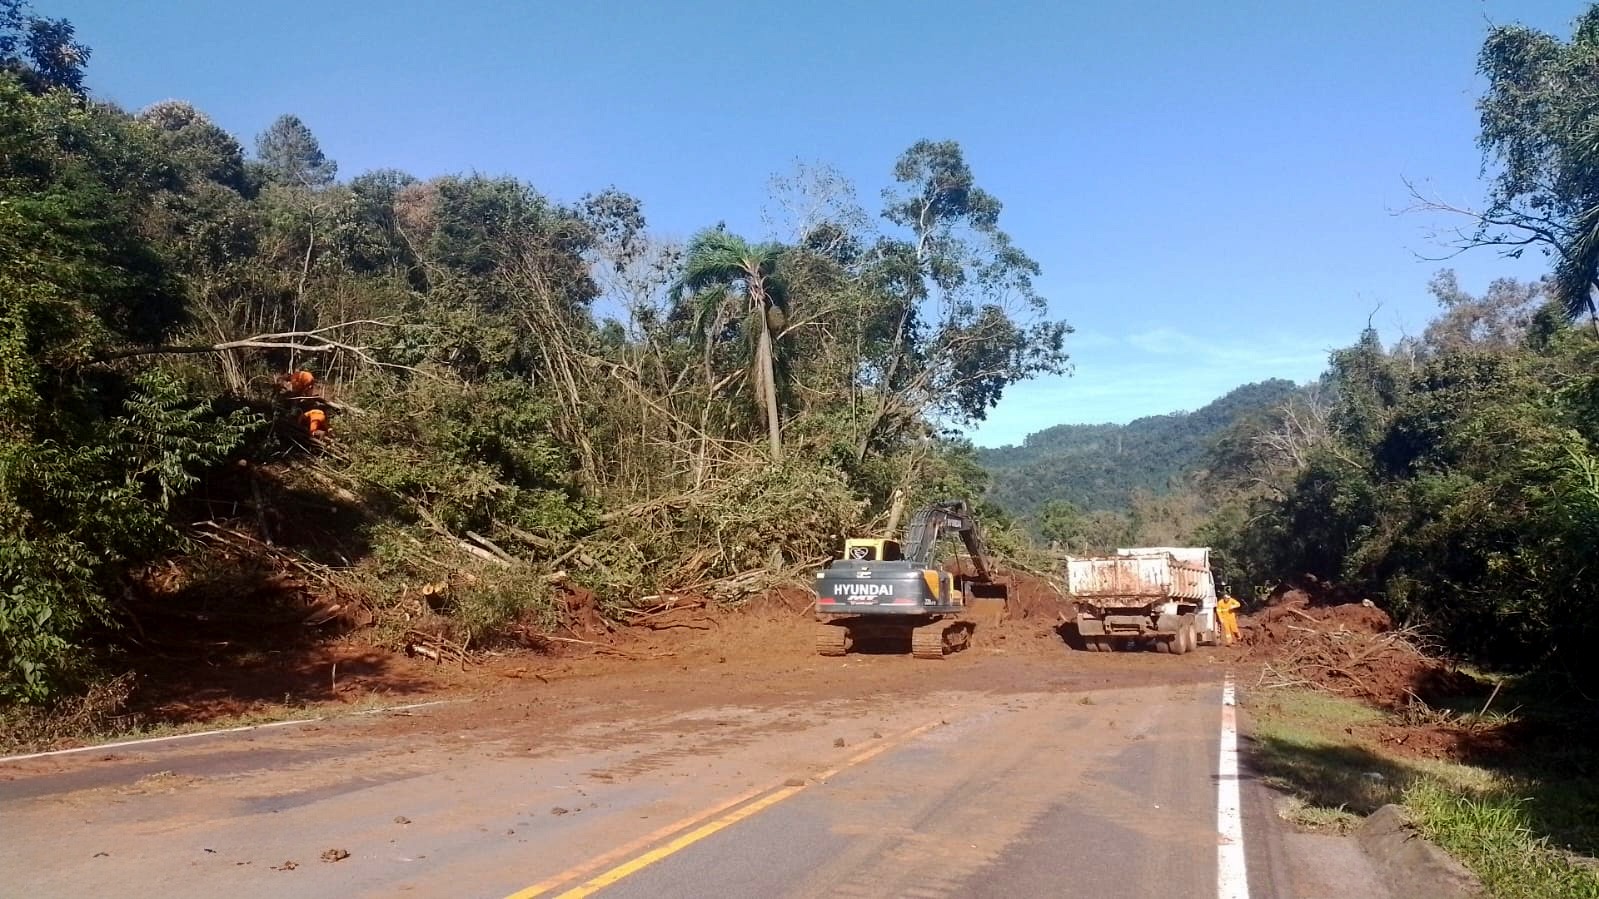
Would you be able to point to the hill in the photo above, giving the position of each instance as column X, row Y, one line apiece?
column 1099, row 466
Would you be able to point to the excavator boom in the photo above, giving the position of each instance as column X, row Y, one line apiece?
column 927, row 525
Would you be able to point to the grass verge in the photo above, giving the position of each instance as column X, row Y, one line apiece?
column 1525, row 821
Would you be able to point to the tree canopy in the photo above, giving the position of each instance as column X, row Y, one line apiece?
column 487, row 366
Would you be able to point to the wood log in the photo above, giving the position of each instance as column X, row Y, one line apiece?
column 481, row 553
column 531, row 539
column 490, row 545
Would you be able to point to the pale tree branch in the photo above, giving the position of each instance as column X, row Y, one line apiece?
column 304, row 341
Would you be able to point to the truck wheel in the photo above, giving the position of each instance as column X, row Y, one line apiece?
column 1186, row 640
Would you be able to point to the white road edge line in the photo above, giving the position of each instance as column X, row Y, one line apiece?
column 1232, row 877
column 226, row 730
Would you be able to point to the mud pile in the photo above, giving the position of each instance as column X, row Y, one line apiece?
column 1348, row 646
column 1032, row 598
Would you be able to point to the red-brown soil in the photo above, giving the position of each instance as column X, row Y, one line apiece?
column 1332, row 640
column 196, row 669
column 1350, row 648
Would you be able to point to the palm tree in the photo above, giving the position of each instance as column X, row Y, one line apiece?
column 718, row 265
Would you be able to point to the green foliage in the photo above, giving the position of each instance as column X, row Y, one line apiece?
column 1521, row 821
column 1460, row 488
column 1062, row 523
column 157, row 285
column 290, row 155
column 1492, row 834
column 473, row 456
column 89, row 462
column 45, row 53
column 1540, row 121
column 72, row 518
column 957, row 318
column 719, row 267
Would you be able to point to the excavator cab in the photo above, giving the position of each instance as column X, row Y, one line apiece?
column 878, row 550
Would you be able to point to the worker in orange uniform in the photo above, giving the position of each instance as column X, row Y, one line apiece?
column 315, row 421
column 1227, row 614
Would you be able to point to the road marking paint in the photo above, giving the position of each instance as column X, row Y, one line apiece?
column 642, row 843
column 694, row 836
column 1232, row 876
column 226, row 730
column 768, row 798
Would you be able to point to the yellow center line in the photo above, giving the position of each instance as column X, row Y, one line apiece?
column 623, row 851
column 638, row 863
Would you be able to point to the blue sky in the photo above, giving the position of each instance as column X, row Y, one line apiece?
column 1211, row 188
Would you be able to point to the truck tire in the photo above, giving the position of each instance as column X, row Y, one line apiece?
column 1190, row 637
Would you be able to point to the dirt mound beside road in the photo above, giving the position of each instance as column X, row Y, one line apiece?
column 1282, row 619
column 1351, row 648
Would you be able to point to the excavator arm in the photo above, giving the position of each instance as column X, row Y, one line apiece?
column 927, row 525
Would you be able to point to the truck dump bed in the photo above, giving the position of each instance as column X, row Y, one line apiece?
column 1138, row 577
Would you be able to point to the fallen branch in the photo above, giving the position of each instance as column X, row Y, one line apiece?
column 601, row 647
column 488, row 544
column 710, row 624
column 530, row 539
column 431, row 646
column 481, row 553
column 312, row 341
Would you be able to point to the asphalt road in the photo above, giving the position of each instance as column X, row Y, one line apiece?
column 1106, row 792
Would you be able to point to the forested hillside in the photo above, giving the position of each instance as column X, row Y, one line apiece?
column 238, row 386
column 1454, row 477
column 1099, row 467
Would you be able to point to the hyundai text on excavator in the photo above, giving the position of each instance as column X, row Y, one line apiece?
column 887, row 590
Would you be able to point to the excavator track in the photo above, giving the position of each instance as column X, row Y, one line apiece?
column 927, row 641
column 940, row 638
column 832, row 639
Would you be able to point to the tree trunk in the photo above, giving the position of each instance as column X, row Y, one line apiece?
column 768, row 377
column 896, row 511
column 863, row 441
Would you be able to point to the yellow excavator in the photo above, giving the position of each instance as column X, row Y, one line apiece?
column 890, row 590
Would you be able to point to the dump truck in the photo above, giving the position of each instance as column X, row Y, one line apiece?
column 895, row 592
column 1162, row 597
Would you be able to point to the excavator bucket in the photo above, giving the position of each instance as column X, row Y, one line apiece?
column 988, row 604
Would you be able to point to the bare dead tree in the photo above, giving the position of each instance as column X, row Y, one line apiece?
column 1571, row 244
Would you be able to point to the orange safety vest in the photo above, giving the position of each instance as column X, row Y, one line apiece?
column 315, row 420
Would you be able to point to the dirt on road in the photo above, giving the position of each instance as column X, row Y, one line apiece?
column 763, row 651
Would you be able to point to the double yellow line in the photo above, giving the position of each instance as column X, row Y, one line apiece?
column 742, row 806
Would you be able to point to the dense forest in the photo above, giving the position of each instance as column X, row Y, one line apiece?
column 233, row 381
column 1452, row 476
column 236, row 383
column 1101, row 467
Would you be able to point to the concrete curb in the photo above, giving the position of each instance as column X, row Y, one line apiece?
column 1409, row 864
